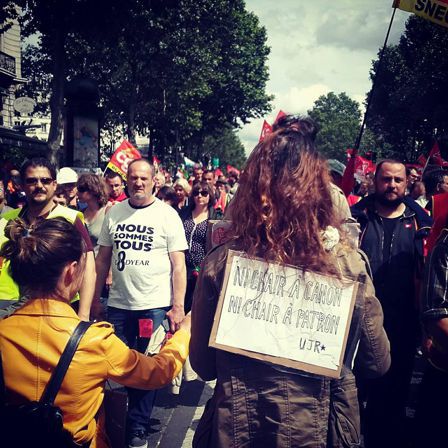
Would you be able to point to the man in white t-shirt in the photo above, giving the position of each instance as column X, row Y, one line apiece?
column 143, row 240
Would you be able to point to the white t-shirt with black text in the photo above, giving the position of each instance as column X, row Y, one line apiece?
column 141, row 240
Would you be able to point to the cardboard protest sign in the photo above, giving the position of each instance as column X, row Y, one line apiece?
column 122, row 157
column 284, row 315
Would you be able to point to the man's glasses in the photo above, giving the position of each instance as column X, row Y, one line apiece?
column 203, row 193
column 82, row 189
column 35, row 180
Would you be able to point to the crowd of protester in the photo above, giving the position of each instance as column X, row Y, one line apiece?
column 135, row 253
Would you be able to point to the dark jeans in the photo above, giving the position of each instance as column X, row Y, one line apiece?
column 432, row 409
column 191, row 284
column 385, row 414
column 126, row 327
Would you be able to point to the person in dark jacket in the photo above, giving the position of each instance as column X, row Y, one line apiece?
column 393, row 230
column 432, row 410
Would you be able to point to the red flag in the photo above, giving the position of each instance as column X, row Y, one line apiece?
column 156, row 163
column 435, row 158
column 265, row 130
column 434, row 155
column 364, row 166
column 231, row 168
column 421, row 160
column 121, row 158
column 356, row 164
column 279, row 115
column 348, row 178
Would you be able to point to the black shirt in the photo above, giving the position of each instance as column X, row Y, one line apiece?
column 388, row 228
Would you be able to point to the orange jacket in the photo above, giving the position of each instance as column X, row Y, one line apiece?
column 32, row 341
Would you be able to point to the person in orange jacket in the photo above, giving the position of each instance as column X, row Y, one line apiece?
column 47, row 261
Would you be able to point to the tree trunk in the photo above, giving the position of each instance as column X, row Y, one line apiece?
column 57, row 98
column 131, row 132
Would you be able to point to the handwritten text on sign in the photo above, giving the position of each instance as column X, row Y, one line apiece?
column 285, row 312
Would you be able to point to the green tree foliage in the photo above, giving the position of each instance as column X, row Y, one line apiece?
column 175, row 70
column 56, row 21
column 338, row 117
column 410, row 105
column 226, row 146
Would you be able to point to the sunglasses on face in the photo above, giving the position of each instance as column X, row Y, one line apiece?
column 203, row 193
column 35, row 180
column 82, row 189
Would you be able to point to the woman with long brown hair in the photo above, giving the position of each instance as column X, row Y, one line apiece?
column 283, row 214
column 92, row 190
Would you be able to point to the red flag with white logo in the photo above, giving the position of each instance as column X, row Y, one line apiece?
column 121, row 158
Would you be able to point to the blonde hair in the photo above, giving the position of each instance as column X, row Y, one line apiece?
column 184, row 184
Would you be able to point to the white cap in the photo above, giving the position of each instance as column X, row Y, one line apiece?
column 66, row 176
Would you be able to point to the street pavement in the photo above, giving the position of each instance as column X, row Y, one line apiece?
column 175, row 417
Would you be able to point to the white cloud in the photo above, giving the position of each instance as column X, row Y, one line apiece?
column 318, row 47
column 300, row 100
column 295, row 101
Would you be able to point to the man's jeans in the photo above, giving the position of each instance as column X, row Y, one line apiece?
column 126, row 326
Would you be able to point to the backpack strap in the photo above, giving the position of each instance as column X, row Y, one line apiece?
column 58, row 375
column 2, row 384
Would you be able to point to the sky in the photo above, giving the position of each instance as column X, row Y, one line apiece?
column 319, row 46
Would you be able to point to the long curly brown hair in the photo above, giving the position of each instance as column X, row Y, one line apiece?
column 283, row 202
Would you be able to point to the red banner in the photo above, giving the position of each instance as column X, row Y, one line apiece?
column 231, row 168
column 121, row 158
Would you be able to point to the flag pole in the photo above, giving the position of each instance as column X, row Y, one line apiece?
column 372, row 91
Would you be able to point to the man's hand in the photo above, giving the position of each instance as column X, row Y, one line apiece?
column 109, row 279
column 97, row 311
column 175, row 315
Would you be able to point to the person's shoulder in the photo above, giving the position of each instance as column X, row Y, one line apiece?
column 422, row 216
column 360, row 209
column 61, row 211
column 168, row 211
column 6, row 209
column 217, row 256
column 352, row 262
column 159, row 204
column 118, row 208
column 98, row 336
column 13, row 213
column 99, row 330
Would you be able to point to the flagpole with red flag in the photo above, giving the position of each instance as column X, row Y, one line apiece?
column 348, row 179
column 380, row 63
